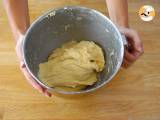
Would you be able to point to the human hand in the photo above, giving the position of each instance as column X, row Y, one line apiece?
column 135, row 47
column 23, row 68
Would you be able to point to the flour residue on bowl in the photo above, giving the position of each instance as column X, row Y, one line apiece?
column 79, row 18
column 51, row 14
column 66, row 27
column 107, row 30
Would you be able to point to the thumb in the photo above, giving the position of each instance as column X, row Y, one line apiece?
column 19, row 47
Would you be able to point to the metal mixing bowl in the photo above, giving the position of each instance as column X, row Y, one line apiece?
column 58, row 26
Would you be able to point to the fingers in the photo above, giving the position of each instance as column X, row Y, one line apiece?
column 126, row 64
column 129, row 57
column 135, row 47
column 33, row 82
column 19, row 49
column 136, row 43
column 25, row 71
column 46, row 93
column 134, row 40
column 128, row 60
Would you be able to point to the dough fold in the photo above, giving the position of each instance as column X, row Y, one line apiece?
column 73, row 66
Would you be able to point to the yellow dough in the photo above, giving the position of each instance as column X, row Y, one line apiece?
column 73, row 66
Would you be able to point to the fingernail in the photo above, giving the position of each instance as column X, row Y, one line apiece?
column 40, row 91
column 50, row 95
column 47, row 94
column 22, row 65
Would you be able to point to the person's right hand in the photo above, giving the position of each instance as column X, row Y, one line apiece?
column 135, row 47
column 23, row 68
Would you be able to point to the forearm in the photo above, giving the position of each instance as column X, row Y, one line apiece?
column 118, row 12
column 18, row 16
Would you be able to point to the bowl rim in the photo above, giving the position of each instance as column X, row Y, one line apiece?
column 73, row 7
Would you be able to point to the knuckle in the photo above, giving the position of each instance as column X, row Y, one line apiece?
column 141, row 50
column 135, row 32
column 22, row 65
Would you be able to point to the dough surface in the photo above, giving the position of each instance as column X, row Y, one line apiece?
column 73, row 66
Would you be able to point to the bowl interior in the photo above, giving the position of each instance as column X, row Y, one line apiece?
column 56, row 27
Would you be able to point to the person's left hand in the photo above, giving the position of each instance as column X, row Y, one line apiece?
column 135, row 47
column 23, row 68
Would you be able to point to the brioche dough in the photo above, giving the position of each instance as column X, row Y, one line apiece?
column 73, row 66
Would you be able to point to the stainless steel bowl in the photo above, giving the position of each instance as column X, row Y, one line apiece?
column 60, row 25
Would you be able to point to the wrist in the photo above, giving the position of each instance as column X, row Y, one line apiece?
column 121, row 23
column 18, row 32
column 19, row 36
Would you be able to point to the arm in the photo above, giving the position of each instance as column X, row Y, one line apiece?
column 19, row 20
column 18, row 16
column 118, row 12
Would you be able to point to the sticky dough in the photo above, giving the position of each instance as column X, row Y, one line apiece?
column 73, row 66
